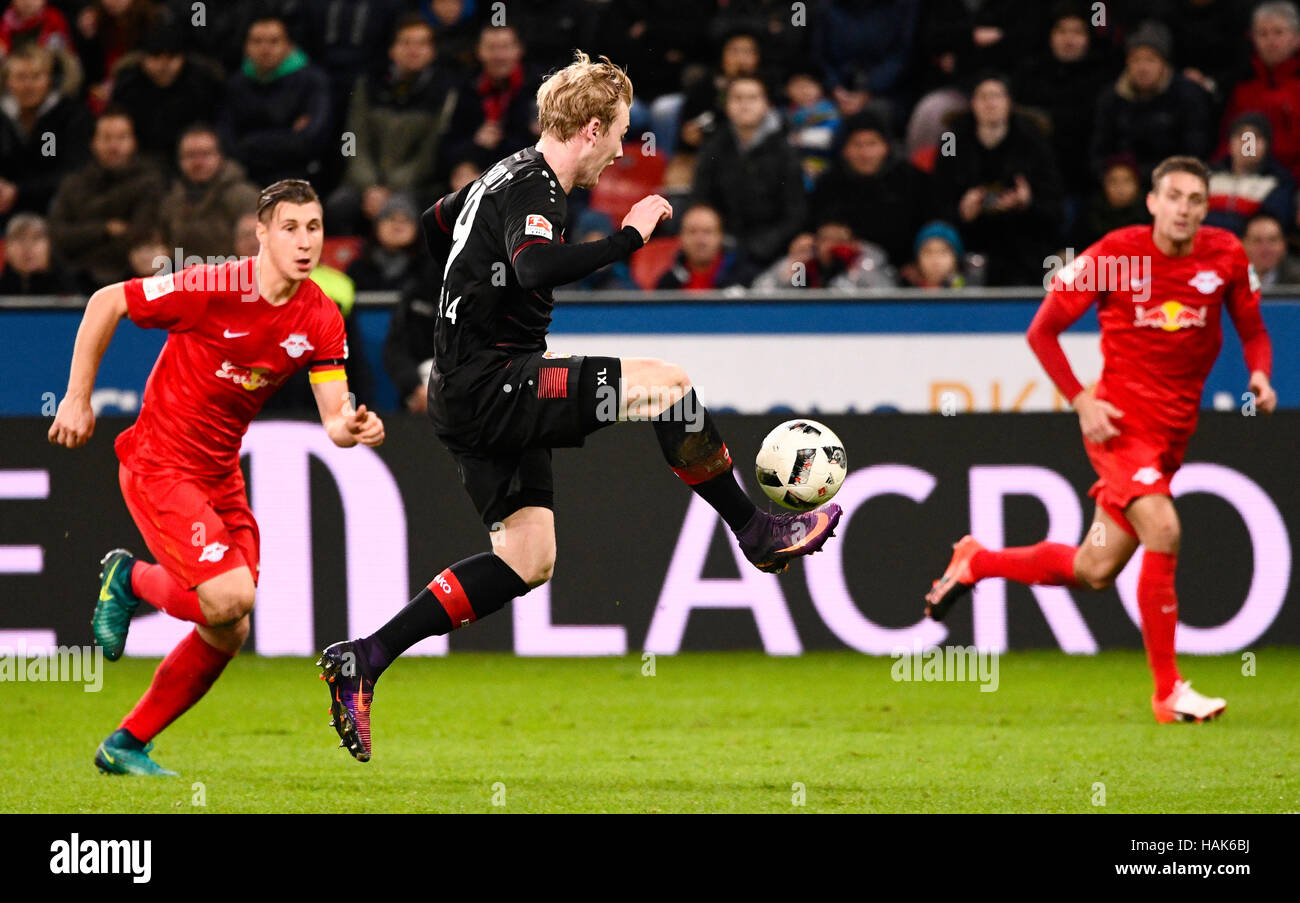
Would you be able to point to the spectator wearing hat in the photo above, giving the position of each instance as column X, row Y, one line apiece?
column 1266, row 249
column 938, row 254
column 29, row 267
column 1001, row 186
column 749, row 173
column 390, row 258
column 201, row 208
column 276, row 117
column 35, row 117
column 881, row 196
column 1062, row 81
column 1117, row 203
column 1273, row 87
column 165, row 91
column 703, row 263
column 1249, row 179
column 1152, row 111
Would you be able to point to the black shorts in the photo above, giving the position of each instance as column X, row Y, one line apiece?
column 543, row 401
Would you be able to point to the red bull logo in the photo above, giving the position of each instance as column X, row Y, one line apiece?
column 251, row 378
column 1170, row 316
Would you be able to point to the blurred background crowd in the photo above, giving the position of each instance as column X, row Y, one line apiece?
column 846, row 144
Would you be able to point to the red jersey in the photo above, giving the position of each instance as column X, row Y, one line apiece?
column 1160, row 322
column 228, row 351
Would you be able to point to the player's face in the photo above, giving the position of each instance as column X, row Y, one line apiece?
column 604, row 149
column 293, row 238
column 1178, row 205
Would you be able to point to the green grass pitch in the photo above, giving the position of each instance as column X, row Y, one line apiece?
column 708, row 732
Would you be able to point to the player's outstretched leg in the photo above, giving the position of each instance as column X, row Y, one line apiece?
column 463, row 593
column 696, row 452
column 1092, row 565
column 1047, row 563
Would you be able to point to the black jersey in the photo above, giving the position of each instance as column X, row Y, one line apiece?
column 484, row 314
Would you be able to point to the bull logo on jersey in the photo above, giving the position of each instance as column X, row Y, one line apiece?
column 297, row 345
column 1170, row 316
column 1205, row 281
column 251, row 378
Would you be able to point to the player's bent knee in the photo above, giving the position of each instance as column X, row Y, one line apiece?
column 225, row 608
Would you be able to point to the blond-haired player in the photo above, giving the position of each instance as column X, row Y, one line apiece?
column 500, row 402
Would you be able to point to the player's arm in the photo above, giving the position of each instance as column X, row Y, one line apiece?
column 1065, row 303
column 438, row 220
column 344, row 425
column 1257, row 348
column 545, row 262
column 74, row 422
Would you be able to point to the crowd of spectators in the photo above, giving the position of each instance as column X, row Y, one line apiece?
column 846, row 144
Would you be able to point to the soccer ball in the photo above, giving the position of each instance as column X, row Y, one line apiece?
column 801, row 464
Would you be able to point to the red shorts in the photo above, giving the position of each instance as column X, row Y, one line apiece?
column 195, row 528
column 1130, row 466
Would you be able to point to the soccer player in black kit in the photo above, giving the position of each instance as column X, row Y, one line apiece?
column 500, row 402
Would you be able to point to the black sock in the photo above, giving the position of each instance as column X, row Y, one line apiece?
column 695, row 451
column 463, row 593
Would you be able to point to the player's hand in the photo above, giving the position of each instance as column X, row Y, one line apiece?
column 363, row 425
column 1265, row 397
column 1095, row 415
column 74, row 423
column 646, row 214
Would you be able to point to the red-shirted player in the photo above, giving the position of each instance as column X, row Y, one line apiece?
column 1161, row 292
column 237, row 331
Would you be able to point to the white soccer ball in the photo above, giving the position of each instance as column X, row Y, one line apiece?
column 801, row 464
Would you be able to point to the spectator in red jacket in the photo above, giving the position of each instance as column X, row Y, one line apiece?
column 1274, row 89
column 703, row 263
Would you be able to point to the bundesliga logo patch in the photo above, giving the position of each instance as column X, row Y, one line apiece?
column 536, row 224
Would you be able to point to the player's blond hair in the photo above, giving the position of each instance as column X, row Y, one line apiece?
column 583, row 90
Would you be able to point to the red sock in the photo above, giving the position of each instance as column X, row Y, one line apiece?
column 184, row 676
column 1158, row 604
column 157, row 587
column 1049, row 563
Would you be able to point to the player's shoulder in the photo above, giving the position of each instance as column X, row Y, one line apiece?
column 232, row 278
column 315, row 302
column 1217, row 239
column 1126, row 237
column 523, row 172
